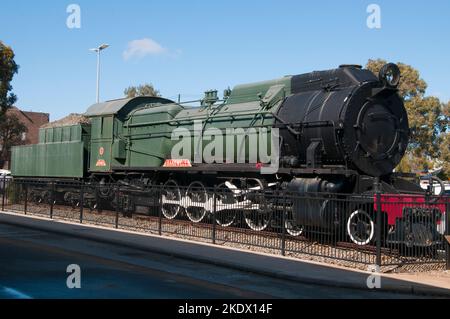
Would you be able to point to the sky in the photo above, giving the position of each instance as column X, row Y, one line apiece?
column 188, row 47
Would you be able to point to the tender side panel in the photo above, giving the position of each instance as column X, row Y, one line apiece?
column 62, row 152
column 49, row 160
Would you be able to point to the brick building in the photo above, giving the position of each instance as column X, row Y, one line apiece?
column 33, row 121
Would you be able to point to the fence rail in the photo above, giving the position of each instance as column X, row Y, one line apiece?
column 355, row 230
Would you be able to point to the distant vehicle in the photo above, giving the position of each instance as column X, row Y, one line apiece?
column 5, row 173
column 437, row 187
column 5, row 176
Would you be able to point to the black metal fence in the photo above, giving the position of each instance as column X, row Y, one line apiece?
column 343, row 228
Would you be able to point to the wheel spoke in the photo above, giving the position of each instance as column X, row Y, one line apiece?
column 226, row 217
column 360, row 228
column 197, row 194
column 171, row 191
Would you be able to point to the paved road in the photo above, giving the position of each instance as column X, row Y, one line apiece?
column 33, row 264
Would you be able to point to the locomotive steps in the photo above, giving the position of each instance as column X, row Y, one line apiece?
column 260, row 263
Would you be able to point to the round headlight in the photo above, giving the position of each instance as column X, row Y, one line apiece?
column 390, row 75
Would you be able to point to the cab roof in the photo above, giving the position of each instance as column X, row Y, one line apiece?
column 123, row 105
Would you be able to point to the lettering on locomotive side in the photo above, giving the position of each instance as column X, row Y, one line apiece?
column 177, row 163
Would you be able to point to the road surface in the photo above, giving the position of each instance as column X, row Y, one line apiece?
column 33, row 264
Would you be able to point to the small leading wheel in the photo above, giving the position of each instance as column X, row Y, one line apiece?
column 171, row 192
column 226, row 214
column 360, row 227
column 197, row 199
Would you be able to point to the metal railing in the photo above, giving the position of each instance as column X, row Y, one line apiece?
column 324, row 227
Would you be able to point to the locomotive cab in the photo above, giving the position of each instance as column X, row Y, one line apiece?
column 112, row 135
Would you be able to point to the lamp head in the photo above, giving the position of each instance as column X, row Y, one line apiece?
column 103, row 47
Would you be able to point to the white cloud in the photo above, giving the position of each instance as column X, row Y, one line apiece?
column 143, row 47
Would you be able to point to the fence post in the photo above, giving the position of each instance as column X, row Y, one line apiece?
column 377, row 188
column 25, row 208
column 214, row 215
column 447, row 233
column 283, row 225
column 52, row 196
column 3, row 193
column 116, row 224
column 160, row 194
column 81, row 202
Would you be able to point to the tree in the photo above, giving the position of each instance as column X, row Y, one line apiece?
column 427, row 119
column 11, row 134
column 141, row 90
column 411, row 84
column 8, row 68
column 445, row 143
column 11, row 129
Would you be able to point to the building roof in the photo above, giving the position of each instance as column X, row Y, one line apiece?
column 32, row 120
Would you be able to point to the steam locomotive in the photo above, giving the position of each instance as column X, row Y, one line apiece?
column 335, row 131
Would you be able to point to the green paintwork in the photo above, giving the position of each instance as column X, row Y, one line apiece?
column 60, row 134
column 148, row 135
column 113, row 144
column 137, row 132
column 148, row 131
column 61, row 152
column 123, row 106
column 249, row 92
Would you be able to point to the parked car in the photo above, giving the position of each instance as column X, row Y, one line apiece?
column 5, row 177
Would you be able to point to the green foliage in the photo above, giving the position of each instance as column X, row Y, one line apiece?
column 411, row 84
column 11, row 128
column 8, row 68
column 428, row 120
column 11, row 131
column 141, row 90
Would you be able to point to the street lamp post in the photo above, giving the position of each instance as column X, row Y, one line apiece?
column 98, row 51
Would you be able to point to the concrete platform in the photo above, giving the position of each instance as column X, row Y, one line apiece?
column 259, row 263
